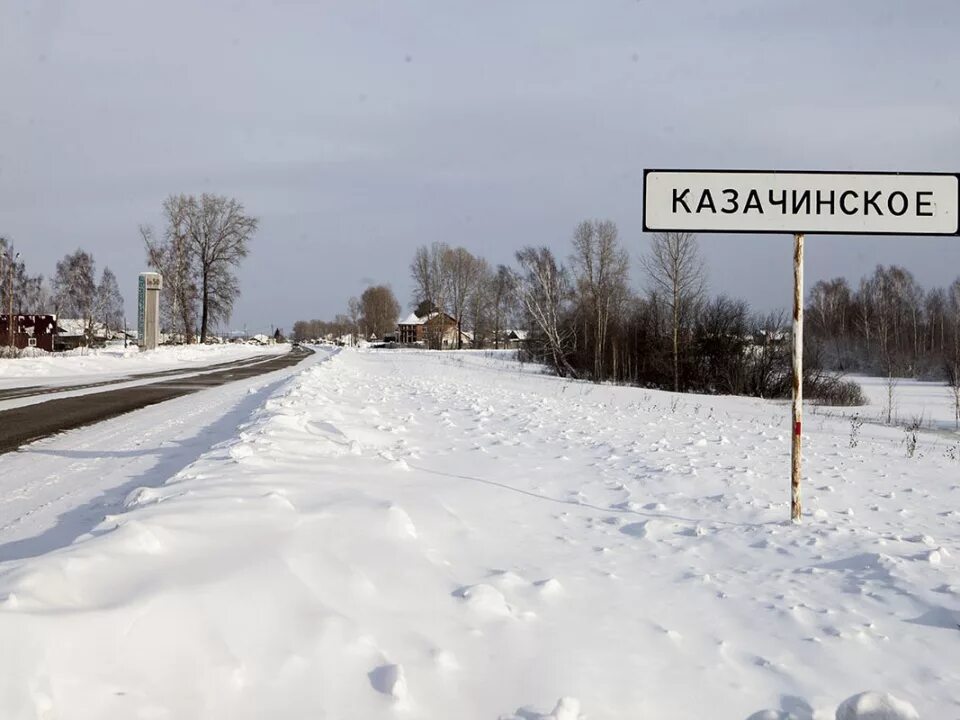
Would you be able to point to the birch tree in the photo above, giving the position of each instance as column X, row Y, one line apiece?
column 543, row 290
column 75, row 289
column 430, row 272
column 676, row 272
column 463, row 273
column 501, row 301
column 109, row 301
column 601, row 267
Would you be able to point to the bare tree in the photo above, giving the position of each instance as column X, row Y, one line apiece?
column 952, row 368
column 480, row 304
column 601, row 266
column 502, row 302
column 952, row 354
column 463, row 272
column 219, row 232
column 109, row 301
column 173, row 257
column 354, row 315
column 543, row 289
column 676, row 272
column 828, row 312
column 380, row 309
column 75, row 289
column 29, row 292
column 430, row 272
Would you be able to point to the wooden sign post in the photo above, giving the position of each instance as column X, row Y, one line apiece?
column 800, row 203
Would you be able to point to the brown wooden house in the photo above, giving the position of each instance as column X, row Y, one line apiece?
column 29, row 331
column 436, row 330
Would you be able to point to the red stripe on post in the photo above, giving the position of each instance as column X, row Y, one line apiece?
column 796, row 428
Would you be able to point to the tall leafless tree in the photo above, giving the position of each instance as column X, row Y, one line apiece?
column 543, row 289
column 172, row 256
column 828, row 313
column 355, row 316
column 203, row 243
column 502, row 302
column 463, row 271
column 29, row 291
column 75, row 289
column 109, row 301
column 430, row 272
column 219, row 232
column 676, row 271
column 601, row 267
column 480, row 303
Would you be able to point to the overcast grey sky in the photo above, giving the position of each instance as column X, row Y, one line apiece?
column 359, row 130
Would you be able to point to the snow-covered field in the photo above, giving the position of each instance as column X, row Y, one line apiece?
column 929, row 404
column 117, row 361
column 424, row 535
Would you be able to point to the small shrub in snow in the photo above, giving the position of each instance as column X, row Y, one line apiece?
column 856, row 422
column 910, row 435
column 829, row 390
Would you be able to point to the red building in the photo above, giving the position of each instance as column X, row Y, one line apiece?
column 29, row 331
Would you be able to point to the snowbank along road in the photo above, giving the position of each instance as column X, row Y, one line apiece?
column 390, row 535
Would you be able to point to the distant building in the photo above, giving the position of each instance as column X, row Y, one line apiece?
column 29, row 331
column 436, row 330
column 516, row 338
column 72, row 333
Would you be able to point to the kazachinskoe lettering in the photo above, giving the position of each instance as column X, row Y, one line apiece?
column 865, row 202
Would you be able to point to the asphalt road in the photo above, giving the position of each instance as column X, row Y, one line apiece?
column 34, row 390
column 21, row 425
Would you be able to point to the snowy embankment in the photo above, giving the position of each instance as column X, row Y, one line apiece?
column 86, row 365
column 422, row 535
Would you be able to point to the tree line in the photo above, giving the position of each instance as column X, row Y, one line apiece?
column 585, row 320
column 887, row 325
column 373, row 315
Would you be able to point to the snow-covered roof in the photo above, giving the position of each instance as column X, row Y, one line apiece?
column 518, row 334
column 412, row 319
column 77, row 326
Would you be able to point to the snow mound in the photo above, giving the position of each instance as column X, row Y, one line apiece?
column 485, row 600
column 876, row 706
column 400, row 522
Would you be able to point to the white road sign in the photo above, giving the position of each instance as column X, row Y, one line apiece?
column 801, row 202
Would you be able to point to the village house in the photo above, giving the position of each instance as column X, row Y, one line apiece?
column 436, row 330
column 72, row 333
column 29, row 331
column 516, row 338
